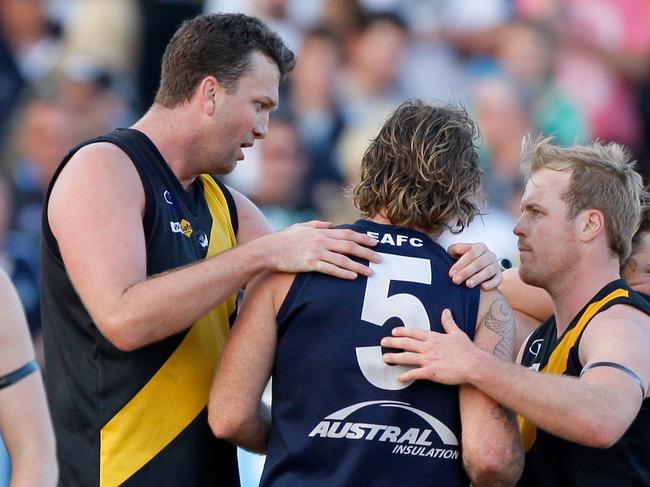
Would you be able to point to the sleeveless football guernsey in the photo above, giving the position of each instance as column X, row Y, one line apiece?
column 339, row 415
column 139, row 418
column 554, row 462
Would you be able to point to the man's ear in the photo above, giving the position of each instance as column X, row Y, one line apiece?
column 208, row 92
column 592, row 224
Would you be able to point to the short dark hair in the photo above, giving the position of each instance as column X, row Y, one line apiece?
column 370, row 19
column 218, row 45
column 422, row 170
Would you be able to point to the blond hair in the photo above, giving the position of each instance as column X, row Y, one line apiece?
column 422, row 170
column 603, row 177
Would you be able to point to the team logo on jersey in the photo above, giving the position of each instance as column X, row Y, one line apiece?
column 183, row 227
column 404, row 441
column 202, row 238
column 168, row 197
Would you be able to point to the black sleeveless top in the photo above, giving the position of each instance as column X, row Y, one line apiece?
column 139, row 418
column 554, row 462
column 339, row 415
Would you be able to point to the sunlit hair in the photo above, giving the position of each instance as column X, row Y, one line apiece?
column 218, row 45
column 603, row 177
column 422, row 170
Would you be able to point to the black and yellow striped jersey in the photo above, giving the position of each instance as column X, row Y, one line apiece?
column 139, row 418
column 554, row 462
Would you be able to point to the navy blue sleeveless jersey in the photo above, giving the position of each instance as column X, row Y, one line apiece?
column 139, row 418
column 339, row 415
column 554, row 462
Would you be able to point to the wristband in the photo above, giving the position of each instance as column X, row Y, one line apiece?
column 19, row 374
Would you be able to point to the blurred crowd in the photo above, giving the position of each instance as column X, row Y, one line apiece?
column 575, row 69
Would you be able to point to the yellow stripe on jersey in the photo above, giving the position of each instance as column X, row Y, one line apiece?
column 179, row 390
column 557, row 362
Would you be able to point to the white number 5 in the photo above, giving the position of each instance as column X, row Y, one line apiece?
column 378, row 307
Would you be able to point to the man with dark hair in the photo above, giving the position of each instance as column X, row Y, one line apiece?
column 339, row 414
column 132, row 329
column 143, row 253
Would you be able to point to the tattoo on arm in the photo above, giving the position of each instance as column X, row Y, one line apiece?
column 499, row 412
column 500, row 319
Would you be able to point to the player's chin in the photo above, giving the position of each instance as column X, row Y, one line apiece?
column 225, row 168
column 528, row 275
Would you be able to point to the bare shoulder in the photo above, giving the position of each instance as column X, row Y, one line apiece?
column 100, row 160
column 620, row 334
column 619, row 320
column 98, row 176
column 275, row 285
column 95, row 157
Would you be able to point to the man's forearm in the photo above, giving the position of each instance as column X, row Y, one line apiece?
column 171, row 302
column 567, row 407
column 500, row 461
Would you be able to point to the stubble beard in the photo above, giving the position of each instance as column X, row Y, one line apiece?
column 551, row 272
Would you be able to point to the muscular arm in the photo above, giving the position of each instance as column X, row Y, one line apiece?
column 100, row 234
column 235, row 411
column 594, row 410
column 499, row 462
column 25, row 422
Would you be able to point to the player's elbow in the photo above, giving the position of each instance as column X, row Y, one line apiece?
column 120, row 331
column 602, row 434
column 489, row 466
column 224, row 421
column 243, row 428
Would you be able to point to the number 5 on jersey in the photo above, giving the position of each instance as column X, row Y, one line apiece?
column 378, row 307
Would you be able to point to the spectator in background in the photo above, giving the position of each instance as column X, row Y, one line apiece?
column 275, row 14
column 29, row 50
column 107, row 33
column 18, row 259
column 343, row 17
column 452, row 43
column 527, row 53
column 25, row 425
column 504, row 122
column 159, row 20
column 87, row 89
column 636, row 269
column 603, row 48
column 46, row 131
column 318, row 115
column 280, row 189
column 368, row 87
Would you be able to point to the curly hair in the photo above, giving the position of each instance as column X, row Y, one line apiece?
column 218, row 45
column 422, row 170
column 603, row 177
